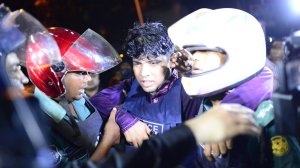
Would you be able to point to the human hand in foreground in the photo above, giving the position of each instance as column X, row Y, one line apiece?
column 110, row 137
column 222, row 122
column 212, row 150
column 137, row 134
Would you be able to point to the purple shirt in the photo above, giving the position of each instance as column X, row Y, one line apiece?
column 111, row 97
column 252, row 92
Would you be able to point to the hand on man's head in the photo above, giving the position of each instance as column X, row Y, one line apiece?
column 181, row 61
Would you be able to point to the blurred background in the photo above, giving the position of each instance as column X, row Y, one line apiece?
column 112, row 18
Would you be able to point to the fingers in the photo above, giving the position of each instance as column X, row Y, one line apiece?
column 148, row 130
column 113, row 113
column 237, row 108
column 207, row 153
column 143, row 137
column 186, row 54
column 229, row 144
column 173, row 59
column 215, row 150
column 222, row 148
column 180, row 61
column 246, row 124
column 243, row 118
column 244, row 121
column 137, row 134
column 249, row 129
column 136, row 142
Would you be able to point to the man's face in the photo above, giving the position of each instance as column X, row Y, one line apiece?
column 75, row 83
column 206, row 61
column 276, row 51
column 17, row 77
column 150, row 73
column 94, row 82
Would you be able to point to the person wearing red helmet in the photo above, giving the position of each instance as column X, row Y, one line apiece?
column 63, row 76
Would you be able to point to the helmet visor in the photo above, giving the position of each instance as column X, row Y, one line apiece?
column 31, row 33
column 92, row 53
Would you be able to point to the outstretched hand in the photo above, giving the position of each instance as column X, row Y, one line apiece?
column 222, row 122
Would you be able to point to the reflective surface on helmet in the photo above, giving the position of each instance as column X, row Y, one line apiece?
column 42, row 53
column 38, row 53
column 34, row 46
column 11, row 37
column 87, row 52
column 92, row 52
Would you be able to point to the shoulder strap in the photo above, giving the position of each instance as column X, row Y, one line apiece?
column 70, row 131
column 70, row 115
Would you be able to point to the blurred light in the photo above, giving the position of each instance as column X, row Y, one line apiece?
column 297, row 33
column 41, row 3
column 121, row 55
column 295, row 6
column 270, row 39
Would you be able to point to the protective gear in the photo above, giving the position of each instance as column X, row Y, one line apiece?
column 10, row 35
column 158, row 116
column 87, row 52
column 238, row 34
column 21, row 118
column 92, row 52
column 44, row 64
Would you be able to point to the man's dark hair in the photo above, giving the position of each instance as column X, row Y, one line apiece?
column 150, row 39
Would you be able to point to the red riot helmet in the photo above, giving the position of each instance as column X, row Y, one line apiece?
column 44, row 64
column 87, row 52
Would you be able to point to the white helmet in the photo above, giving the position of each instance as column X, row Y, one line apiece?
column 238, row 34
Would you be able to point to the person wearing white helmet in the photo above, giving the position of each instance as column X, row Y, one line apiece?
column 227, row 54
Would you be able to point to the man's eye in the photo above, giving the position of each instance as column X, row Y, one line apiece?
column 135, row 63
column 154, row 62
column 84, row 73
column 81, row 72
